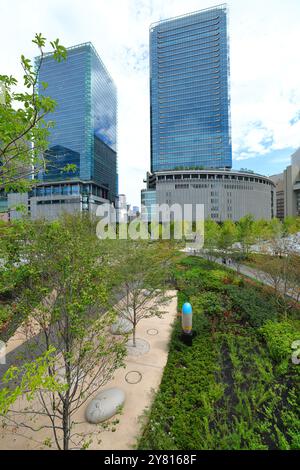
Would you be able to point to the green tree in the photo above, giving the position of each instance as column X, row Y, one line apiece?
column 211, row 238
column 245, row 233
column 261, row 229
column 65, row 303
column 291, row 225
column 283, row 274
column 227, row 236
column 23, row 128
column 143, row 277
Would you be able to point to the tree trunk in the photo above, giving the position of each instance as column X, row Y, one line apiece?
column 133, row 335
column 66, row 426
column 134, row 325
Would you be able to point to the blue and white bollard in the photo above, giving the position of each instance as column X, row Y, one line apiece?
column 187, row 323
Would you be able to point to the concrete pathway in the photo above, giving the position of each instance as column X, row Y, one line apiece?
column 140, row 379
column 255, row 274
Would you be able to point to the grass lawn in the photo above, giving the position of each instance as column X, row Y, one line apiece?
column 236, row 386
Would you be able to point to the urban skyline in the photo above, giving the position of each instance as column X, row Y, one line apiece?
column 137, row 323
column 265, row 124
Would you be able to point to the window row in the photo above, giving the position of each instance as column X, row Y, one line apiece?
column 187, row 28
column 197, row 33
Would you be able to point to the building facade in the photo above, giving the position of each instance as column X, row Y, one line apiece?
column 280, row 199
column 191, row 152
column 121, row 208
column 148, row 204
column 84, row 136
column 288, row 188
column 291, row 178
column 225, row 194
column 189, row 92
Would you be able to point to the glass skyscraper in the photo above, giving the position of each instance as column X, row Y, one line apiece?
column 85, row 121
column 189, row 92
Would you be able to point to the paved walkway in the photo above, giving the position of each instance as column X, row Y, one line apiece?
column 140, row 379
column 255, row 274
column 27, row 343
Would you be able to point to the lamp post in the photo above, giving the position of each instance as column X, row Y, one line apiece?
column 186, row 324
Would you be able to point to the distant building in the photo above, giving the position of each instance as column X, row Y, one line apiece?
column 148, row 202
column 279, row 189
column 288, row 188
column 292, row 186
column 226, row 194
column 135, row 210
column 132, row 213
column 84, row 136
column 121, row 208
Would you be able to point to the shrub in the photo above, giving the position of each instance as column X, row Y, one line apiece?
column 279, row 337
column 214, row 306
column 252, row 305
column 5, row 315
column 223, row 392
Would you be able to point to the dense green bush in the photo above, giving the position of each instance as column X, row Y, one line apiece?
column 5, row 314
column 252, row 305
column 187, row 394
column 279, row 337
column 229, row 389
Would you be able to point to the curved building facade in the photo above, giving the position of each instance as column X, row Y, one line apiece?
column 226, row 194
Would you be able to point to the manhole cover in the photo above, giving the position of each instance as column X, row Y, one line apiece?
column 141, row 347
column 152, row 332
column 133, row 377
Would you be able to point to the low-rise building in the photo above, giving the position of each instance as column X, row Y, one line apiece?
column 51, row 200
column 225, row 194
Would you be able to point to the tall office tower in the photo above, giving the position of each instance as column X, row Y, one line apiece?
column 189, row 91
column 84, row 135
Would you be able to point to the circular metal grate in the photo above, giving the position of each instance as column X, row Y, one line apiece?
column 152, row 332
column 133, row 377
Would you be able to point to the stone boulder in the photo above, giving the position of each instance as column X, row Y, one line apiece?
column 121, row 327
column 105, row 405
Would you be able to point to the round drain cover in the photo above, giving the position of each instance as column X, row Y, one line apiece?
column 133, row 377
column 152, row 332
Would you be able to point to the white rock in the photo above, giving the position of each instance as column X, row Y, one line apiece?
column 104, row 405
column 121, row 326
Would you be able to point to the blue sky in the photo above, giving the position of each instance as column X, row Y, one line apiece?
column 264, row 57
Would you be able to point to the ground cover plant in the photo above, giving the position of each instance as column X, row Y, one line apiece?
column 236, row 386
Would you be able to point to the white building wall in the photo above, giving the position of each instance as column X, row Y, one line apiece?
column 223, row 199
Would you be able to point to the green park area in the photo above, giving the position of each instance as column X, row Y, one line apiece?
column 236, row 386
column 79, row 301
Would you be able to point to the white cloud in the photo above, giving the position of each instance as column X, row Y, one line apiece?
column 265, row 66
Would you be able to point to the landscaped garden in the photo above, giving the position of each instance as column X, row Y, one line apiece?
column 13, row 277
column 236, row 387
